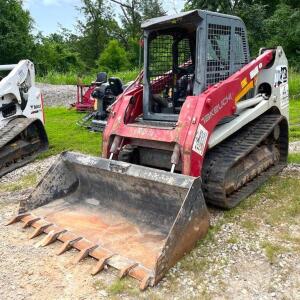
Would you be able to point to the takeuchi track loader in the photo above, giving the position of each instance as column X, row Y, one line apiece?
column 22, row 133
column 202, row 124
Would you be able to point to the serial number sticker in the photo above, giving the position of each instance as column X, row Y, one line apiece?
column 284, row 94
column 200, row 140
column 254, row 72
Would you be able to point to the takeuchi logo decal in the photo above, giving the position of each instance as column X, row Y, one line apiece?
column 217, row 108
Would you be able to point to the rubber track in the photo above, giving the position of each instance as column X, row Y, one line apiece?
column 8, row 133
column 12, row 129
column 222, row 157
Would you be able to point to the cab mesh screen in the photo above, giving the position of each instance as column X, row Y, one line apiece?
column 218, row 53
column 165, row 52
column 160, row 62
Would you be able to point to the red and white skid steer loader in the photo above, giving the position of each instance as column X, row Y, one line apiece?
column 201, row 125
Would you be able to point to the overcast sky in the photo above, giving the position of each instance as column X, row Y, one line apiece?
column 48, row 14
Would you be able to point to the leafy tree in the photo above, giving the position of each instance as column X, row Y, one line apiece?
column 269, row 23
column 113, row 58
column 96, row 29
column 224, row 6
column 134, row 12
column 256, row 31
column 16, row 41
column 52, row 53
column 151, row 9
column 283, row 28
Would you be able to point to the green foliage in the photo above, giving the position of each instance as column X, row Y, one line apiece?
column 95, row 29
column 54, row 53
column 256, row 33
column 113, row 58
column 134, row 53
column 16, row 41
column 269, row 23
column 151, row 9
column 283, row 28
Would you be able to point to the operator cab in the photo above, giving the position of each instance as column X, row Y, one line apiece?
column 184, row 55
column 171, row 69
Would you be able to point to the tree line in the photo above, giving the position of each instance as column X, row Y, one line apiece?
column 100, row 42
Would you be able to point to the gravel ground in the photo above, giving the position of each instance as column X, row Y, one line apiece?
column 58, row 95
column 295, row 147
column 231, row 266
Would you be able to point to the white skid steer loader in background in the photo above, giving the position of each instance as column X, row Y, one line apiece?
column 22, row 132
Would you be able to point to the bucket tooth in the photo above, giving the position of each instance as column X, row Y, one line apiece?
column 124, row 272
column 68, row 245
column 101, row 264
column 30, row 221
column 51, row 237
column 84, row 253
column 146, row 282
column 17, row 219
column 39, row 230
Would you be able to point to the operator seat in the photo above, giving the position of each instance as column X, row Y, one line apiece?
column 115, row 85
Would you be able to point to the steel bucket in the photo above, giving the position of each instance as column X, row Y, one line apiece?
column 136, row 219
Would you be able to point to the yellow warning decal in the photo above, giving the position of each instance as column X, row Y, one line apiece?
column 244, row 82
column 244, row 91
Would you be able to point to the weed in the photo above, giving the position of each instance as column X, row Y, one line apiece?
column 249, row 225
column 272, row 250
column 120, row 286
column 117, row 287
column 233, row 239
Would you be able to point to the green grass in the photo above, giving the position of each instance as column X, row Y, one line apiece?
column 71, row 78
column 294, row 85
column 295, row 119
column 64, row 134
column 294, row 158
